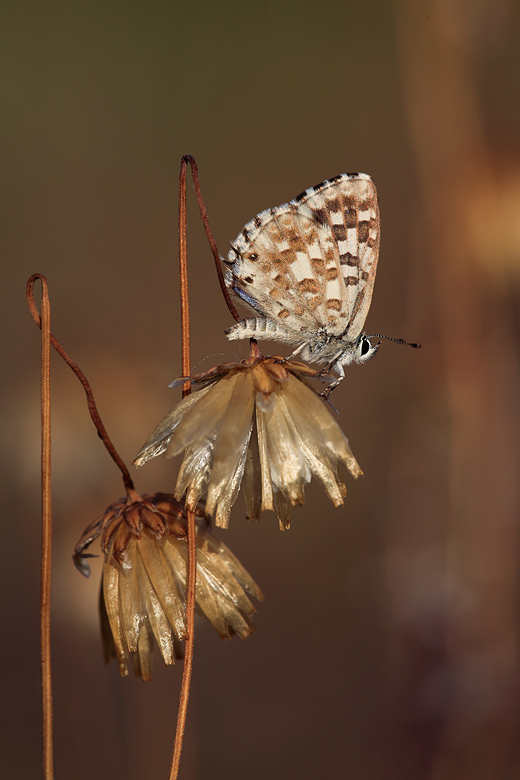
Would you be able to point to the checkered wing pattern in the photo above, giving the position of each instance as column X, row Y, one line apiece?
column 309, row 265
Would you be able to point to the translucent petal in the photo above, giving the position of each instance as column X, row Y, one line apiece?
column 160, row 624
column 289, row 471
column 201, row 420
column 230, row 445
column 267, row 489
column 321, row 467
column 144, row 655
column 253, row 477
column 109, row 647
column 111, row 594
column 265, row 387
column 163, row 583
column 315, row 423
column 218, row 577
column 283, row 511
column 229, row 492
column 176, row 554
column 217, row 549
column 131, row 611
column 228, row 612
column 195, row 472
column 158, row 442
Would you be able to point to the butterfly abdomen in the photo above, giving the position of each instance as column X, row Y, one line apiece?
column 259, row 328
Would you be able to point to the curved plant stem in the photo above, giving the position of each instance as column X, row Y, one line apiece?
column 209, row 235
column 192, row 531
column 96, row 419
column 46, row 560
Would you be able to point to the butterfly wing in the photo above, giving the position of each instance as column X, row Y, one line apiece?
column 310, row 264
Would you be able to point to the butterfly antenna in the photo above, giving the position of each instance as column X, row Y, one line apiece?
column 397, row 341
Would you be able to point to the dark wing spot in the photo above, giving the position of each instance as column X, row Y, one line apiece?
column 349, row 259
column 334, row 303
column 248, row 279
column 334, row 204
column 282, row 281
column 351, row 280
column 295, row 241
column 329, row 257
column 340, row 234
column 320, row 215
column 363, row 228
column 350, row 212
column 308, row 285
column 331, row 273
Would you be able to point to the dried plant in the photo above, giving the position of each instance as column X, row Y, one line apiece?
column 256, row 422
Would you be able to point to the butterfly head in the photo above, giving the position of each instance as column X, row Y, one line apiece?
column 364, row 349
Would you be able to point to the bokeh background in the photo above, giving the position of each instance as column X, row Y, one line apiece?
column 387, row 645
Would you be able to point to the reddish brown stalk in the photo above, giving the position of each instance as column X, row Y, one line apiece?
column 209, row 235
column 46, row 559
column 186, row 390
column 96, row 419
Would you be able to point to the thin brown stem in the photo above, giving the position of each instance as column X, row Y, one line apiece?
column 46, row 560
column 183, row 275
column 188, row 646
column 192, row 531
column 96, row 419
column 209, row 235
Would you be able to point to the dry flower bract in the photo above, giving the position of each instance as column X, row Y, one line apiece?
column 143, row 592
column 257, row 422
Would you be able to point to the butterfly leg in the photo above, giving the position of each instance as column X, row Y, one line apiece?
column 338, row 368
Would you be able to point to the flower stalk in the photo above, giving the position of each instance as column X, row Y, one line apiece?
column 44, row 322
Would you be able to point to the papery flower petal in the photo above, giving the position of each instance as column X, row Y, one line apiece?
column 230, row 449
column 253, row 478
column 261, row 424
column 143, row 657
column 195, row 472
column 153, row 609
column 111, row 598
column 159, row 440
column 163, row 582
column 143, row 594
column 201, row 420
column 283, row 511
column 264, row 457
column 130, row 607
column 316, row 424
column 288, row 469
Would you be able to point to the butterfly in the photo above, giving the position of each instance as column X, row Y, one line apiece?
column 307, row 268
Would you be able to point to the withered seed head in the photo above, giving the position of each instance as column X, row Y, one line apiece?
column 143, row 591
column 256, row 421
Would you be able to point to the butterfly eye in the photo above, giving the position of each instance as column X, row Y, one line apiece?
column 253, row 256
column 366, row 350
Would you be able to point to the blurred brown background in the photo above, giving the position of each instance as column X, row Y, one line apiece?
column 387, row 646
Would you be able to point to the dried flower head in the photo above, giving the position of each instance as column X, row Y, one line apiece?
column 256, row 421
column 143, row 591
